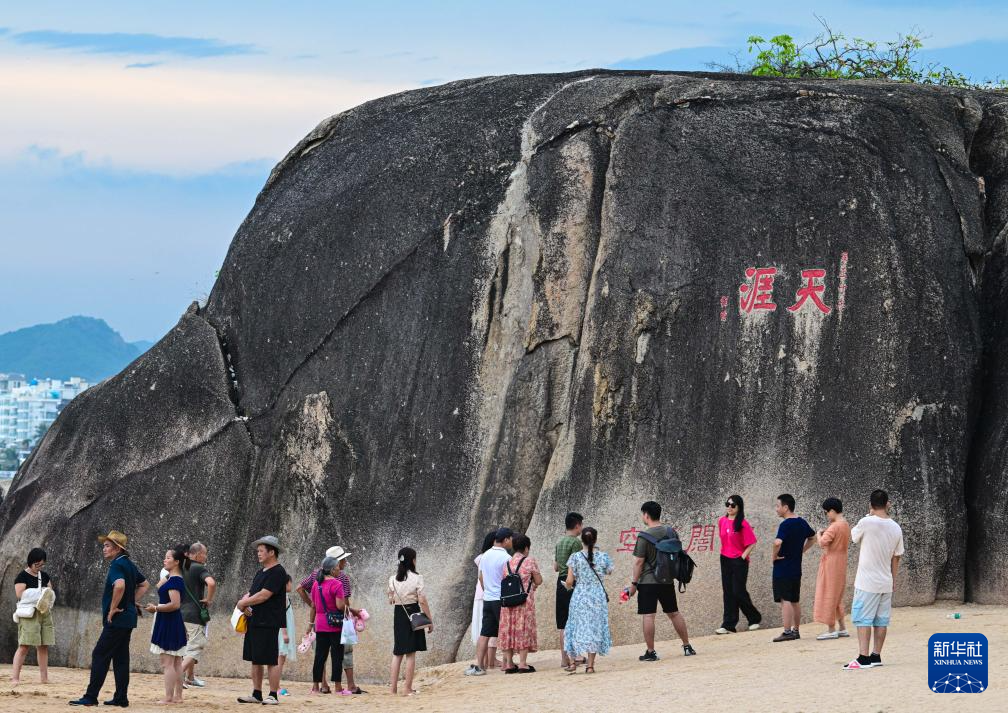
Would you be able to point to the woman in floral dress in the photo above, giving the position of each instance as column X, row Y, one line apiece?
column 517, row 632
column 587, row 631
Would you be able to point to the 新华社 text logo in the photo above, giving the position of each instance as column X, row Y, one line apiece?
column 957, row 663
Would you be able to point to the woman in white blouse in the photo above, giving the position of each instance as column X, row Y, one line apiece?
column 406, row 595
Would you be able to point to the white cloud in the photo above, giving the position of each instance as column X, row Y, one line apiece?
column 173, row 118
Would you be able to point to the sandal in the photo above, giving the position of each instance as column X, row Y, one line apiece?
column 589, row 669
column 571, row 669
column 513, row 669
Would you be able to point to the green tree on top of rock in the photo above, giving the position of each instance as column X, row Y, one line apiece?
column 832, row 55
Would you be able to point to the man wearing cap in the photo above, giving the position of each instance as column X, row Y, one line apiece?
column 304, row 591
column 491, row 572
column 124, row 587
column 265, row 609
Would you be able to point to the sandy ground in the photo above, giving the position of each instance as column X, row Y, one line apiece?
column 744, row 672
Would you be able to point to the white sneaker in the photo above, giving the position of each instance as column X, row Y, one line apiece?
column 198, row 682
column 185, row 685
column 474, row 671
column 843, row 634
column 270, row 700
column 722, row 630
column 827, row 635
column 754, row 627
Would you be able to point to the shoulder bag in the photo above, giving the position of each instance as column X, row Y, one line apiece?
column 333, row 618
column 418, row 620
column 596, row 577
column 204, row 613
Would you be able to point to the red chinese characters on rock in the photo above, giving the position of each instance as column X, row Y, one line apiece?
column 627, row 539
column 757, row 292
column 811, row 291
column 701, row 539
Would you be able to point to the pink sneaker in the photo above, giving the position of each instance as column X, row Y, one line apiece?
column 346, row 692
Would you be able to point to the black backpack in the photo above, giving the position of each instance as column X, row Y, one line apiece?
column 513, row 593
column 671, row 561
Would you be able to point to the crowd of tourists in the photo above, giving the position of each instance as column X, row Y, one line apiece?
column 504, row 622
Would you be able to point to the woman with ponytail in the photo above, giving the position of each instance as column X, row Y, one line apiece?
column 737, row 541
column 406, row 595
column 587, row 632
column 168, row 635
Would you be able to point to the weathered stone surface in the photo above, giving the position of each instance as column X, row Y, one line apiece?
column 500, row 299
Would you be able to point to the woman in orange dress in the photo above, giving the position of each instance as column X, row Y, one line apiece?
column 517, row 633
column 832, row 579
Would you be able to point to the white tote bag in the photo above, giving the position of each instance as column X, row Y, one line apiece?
column 39, row 599
column 349, row 635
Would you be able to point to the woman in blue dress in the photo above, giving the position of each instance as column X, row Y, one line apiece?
column 168, row 637
column 587, row 632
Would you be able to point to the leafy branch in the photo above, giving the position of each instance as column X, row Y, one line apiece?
column 832, row 55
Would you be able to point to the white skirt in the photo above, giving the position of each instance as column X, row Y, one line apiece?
column 477, row 620
column 155, row 649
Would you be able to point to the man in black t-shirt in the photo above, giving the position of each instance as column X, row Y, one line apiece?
column 266, row 613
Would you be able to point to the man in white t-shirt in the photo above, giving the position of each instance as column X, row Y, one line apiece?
column 881, row 541
column 491, row 572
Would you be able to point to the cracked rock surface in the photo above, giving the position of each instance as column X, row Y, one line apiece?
column 498, row 300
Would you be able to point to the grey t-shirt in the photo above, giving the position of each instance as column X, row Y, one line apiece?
column 649, row 552
column 195, row 581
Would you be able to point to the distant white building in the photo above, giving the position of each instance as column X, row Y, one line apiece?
column 26, row 404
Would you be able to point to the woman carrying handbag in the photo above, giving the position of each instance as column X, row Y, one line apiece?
column 326, row 620
column 411, row 620
column 33, row 589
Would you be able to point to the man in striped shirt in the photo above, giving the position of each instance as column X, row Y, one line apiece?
column 304, row 591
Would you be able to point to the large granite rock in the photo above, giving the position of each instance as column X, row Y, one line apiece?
column 496, row 300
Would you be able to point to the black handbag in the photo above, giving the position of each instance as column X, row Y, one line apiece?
column 418, row 620
column 334, row 619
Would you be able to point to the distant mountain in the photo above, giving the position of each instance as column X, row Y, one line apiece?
column 76, row 346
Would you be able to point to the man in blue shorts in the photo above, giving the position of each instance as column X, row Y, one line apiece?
column 881, row 541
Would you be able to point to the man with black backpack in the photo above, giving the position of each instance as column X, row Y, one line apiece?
column 658, row 557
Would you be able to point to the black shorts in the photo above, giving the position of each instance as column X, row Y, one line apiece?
column 648, row 596
column 788, row 590
column 262, row 645
column 563, row 598
column 491, row 618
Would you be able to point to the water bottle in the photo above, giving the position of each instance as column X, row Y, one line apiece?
column 953, row 615
column 625, row 594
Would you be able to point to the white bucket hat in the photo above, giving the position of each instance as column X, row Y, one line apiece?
column 337, row 553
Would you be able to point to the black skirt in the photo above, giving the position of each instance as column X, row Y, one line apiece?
column 407, row 641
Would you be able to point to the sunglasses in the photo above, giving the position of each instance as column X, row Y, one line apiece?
column 730, row 504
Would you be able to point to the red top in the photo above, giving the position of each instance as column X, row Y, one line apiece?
column 733, row 543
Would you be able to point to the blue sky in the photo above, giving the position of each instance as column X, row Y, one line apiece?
column 135, row 136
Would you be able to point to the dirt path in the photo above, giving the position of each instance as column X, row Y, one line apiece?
column 745, row 673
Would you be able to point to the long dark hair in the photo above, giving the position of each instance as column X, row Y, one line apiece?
column 740, row 512
column 180, row 553
column 589, row 536
column 407, row 563
column 488, row 541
